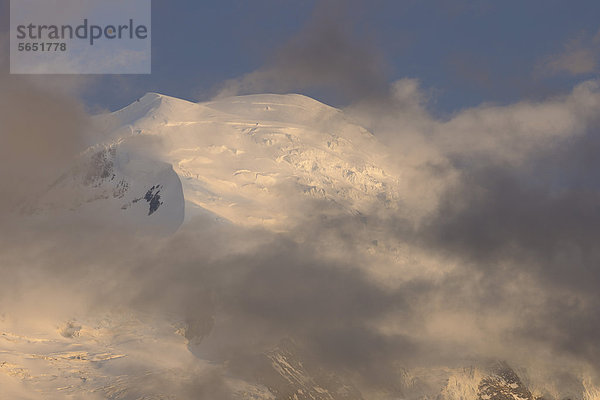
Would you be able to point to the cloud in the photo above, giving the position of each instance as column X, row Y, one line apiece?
column 491, row 254
column 579, row 56
column 325, row 54
column 41, row 131
column 510, row 195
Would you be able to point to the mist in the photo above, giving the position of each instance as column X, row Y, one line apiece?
column 490, row 254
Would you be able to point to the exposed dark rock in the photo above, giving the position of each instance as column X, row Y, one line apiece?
column 152, row 196
column 101, row 167
column 503, row 384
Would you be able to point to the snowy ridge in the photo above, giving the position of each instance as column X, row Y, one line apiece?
column 238, row 158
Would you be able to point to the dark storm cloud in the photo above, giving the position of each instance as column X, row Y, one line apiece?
column 542, row 220
column 327, row 54
column 518, row 213
column 274, row 290
column 242, row 303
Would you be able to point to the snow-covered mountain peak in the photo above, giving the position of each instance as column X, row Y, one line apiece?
column 251, row 160
column 151, row 105
column 290, row 108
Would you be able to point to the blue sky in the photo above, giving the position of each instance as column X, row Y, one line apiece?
column 463, row 52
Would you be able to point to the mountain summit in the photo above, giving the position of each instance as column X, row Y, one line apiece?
column 250, row 160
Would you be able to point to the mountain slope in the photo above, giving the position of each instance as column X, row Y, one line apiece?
column 250, row 160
